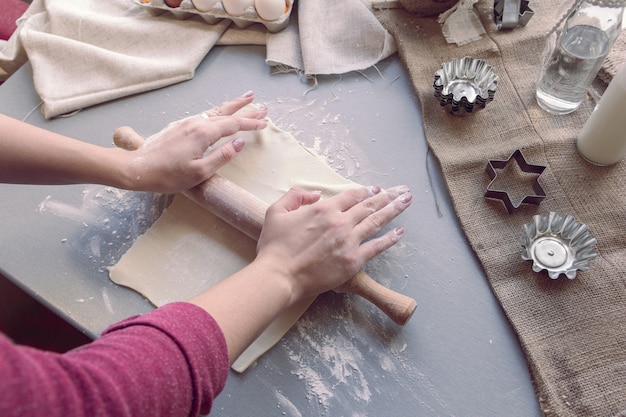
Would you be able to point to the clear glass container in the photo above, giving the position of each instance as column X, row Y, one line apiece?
column 585, row 40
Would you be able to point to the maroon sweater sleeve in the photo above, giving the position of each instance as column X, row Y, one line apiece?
column 170, row 362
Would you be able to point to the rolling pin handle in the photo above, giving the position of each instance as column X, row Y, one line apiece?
column 398, row 307
column 125, row 137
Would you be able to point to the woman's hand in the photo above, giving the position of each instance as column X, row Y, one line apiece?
column 173, row 160
column 176, row 158
column 306, row 247
column 318, row 245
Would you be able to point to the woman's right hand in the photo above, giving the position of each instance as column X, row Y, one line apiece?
column 307, row 247
column 318, row 245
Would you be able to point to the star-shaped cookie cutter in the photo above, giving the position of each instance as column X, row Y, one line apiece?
column 524, row 166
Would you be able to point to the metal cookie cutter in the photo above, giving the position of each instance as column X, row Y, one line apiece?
column 508, row 14
column 502, row 195
column 557, row 244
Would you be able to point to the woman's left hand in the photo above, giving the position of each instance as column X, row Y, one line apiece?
column 175, row 159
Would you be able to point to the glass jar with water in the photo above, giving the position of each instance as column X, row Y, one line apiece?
column 588, row 34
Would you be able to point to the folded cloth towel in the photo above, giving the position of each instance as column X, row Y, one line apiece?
column 85, row 52
column 330, row 37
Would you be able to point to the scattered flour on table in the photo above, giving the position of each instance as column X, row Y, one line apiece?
column 288, row 408
column 350, row 356
column 111, row 220
column 328, row 135
column 342, row 352
column 342, row 347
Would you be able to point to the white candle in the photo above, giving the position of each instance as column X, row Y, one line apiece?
column 602, row 140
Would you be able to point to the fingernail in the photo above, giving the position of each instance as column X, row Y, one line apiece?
column 399, row 231
column 238, row 144
column 263, row 113
column 248, row 94
column 406, row 197
column 261, row 127
column 374, row 189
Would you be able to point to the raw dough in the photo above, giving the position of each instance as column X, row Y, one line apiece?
column 188, row 249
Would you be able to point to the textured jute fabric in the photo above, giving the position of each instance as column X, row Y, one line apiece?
column 427, row 7
column 572, row 331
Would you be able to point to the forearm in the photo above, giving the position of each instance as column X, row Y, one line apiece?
column 245, row 303
column 169, row 362
column 30, row 155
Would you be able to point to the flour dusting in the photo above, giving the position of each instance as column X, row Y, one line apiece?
column 317, row 128
column 111, row 220
column 348, row 353
column 288, row 408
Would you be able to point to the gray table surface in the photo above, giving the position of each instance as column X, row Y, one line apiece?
column 458, row 356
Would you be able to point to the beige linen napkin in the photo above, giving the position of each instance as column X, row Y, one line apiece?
column 330, row 37
column 85, row 52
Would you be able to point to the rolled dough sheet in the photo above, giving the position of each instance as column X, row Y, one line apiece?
column 188, row 249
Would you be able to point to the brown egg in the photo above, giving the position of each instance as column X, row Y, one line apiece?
column 173, row 3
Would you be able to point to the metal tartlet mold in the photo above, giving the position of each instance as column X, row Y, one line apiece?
column 465, row 85
column 558, row 244
column 503, row 195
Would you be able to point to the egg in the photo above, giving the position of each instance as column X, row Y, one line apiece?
column 271, row 9
column 173, row 3
column 204, row 5
column 237, row 7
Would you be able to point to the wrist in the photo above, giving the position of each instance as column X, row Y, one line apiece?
column 120, row 169
column 273, row 273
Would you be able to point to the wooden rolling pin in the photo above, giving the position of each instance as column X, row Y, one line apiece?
column 246, row 212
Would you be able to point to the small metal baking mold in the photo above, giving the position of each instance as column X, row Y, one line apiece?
column 558, row 244
column 503, row 195
column 509, row 14
column 465, row 85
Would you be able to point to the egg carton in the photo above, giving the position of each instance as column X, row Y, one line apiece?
column 217, row 13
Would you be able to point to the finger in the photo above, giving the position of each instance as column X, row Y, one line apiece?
column 125, row 137
column 219, row 157
column 231, row 107
column 373, row 223
column 349, row 198
column 376, row 246
column 257, row 113
column 294, row 199
column 227, row 126
column 372, row 204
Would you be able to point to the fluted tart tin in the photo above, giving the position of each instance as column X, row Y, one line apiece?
column 465, row 85
column 558, row 244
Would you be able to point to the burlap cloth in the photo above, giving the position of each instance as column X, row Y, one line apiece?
column 572, row 331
